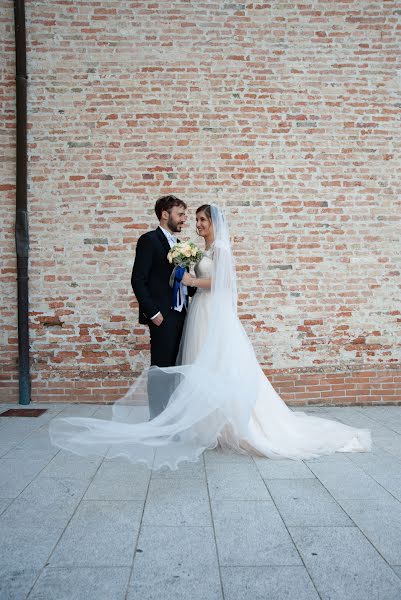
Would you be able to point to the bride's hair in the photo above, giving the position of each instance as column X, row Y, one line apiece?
column 206, row 209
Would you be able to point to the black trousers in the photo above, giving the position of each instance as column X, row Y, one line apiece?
column 164, row 345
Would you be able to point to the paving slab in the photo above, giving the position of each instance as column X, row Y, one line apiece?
column 4, row 503
column 66, row 464
column 26, row 452
column 306, row 502
column 53, row 493
column 16, row 474
column 267, row 583
column 13, row 434
column 343, row 479
column 390, row 441
column 177, row 502
column 343, row 564
column 252, row 533
column 16, row 581
column 99, row 534
column 380, row 521
column 230, row 481
column 119, row 480
column 29, row 532
column 283, row 469
column 105, row 583
column 177, row 563
column 187, row 470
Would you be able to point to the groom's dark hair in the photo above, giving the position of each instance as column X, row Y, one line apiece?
column 167, row 203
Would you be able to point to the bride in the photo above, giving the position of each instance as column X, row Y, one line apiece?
column 217, row 394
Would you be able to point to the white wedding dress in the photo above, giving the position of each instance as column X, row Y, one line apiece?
column 196, row 323
column 216, row 395
column 273, row 429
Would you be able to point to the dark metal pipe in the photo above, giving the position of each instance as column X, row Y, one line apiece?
column 21, row 217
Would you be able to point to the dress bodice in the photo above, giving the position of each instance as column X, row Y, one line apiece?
column 204, row 268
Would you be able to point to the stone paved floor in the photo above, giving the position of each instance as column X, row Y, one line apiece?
column 229, row 527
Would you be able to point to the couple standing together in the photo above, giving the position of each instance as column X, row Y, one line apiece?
column 205, row 387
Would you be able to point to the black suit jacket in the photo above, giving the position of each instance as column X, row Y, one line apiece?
column 151, row 274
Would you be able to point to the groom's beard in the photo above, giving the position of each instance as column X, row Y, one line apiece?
column 174, row 225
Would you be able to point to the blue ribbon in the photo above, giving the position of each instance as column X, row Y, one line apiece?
column 177, row 288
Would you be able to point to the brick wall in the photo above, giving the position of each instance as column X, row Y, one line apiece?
column 287, row 114
column 8, row 289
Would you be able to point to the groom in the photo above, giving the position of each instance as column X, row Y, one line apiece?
column 150, row 281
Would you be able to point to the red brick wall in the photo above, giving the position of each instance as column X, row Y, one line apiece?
column 287, row 114
column 8, row 290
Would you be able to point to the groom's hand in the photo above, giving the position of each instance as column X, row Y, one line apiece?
column 158, row 319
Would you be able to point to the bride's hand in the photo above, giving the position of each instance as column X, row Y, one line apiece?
column 187, row 279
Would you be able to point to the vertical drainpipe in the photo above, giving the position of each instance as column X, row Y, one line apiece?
column 21, row 216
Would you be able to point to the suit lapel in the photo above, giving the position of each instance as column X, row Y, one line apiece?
column 163, row 240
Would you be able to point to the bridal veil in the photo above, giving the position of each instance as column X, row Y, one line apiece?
column 222, row 398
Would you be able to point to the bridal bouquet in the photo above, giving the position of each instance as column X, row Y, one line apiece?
column 184, row 254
